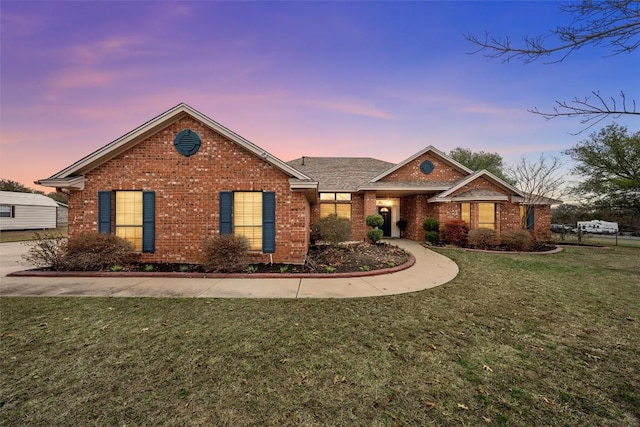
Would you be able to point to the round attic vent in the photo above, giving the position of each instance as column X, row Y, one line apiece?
column 426, row 167
column 187, row 142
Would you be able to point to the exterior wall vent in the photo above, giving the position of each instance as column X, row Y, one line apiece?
column 187, row 142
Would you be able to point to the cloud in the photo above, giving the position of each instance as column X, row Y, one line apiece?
column 90, row 77
column 353, row 107
column 104, row 50
column 20, row 25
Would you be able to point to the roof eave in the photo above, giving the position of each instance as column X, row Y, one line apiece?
column 431, row 148
column 162, row 121
column 71, row 183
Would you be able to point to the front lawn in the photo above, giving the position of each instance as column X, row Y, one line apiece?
column 516, row 340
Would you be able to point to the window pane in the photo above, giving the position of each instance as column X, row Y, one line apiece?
column 247, row 209
column 247, row 217
column 327, row 196
column 5, row 211
column 253, row 234
column 343, row 211
column 343, row 196
column 132, row 234
column 465, row 212
column 129, row 217
column 128, row 208
column 327, row 209
column 487, row 215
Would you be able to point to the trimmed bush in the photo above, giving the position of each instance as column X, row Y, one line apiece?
column 455, row 232
column 47, row 251
column 432, row 237
column 481, row 238
column 431, row 224
column 375, row 220
column 375, row 235
column 97, row 251
column 517, row 240
column 334, row 229
column 225, row 254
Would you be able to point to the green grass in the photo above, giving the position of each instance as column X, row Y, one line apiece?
column 598, row 239
column 516, row 340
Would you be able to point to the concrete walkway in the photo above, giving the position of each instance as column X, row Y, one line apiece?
column 431, row 269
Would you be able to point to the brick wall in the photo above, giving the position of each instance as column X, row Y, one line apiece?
column 187, row 193
column 442, row 171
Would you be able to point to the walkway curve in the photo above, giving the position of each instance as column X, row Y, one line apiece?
column 430, row 269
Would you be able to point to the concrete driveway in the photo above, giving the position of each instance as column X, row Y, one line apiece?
column 430, row 269
column 11, row 257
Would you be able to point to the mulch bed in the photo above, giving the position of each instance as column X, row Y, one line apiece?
column 321, row 259
column 345, row 258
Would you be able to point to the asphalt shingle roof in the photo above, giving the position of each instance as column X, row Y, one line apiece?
column 340, row 173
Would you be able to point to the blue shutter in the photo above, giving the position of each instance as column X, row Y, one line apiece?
column 226, row 211
column 530, row 217
column 268, row 222
column 148, row 221
column 104, row 212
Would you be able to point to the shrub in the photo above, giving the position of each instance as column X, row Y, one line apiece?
column 374, row 220
column 375, row 235
column 432, row 237
column 314, row 233
column 517, row 240
column 334, row 229
column 97, row 251
column 431, row 224
column 481, row 238
column 46, row 251
column 225, row 253
column 455, row 232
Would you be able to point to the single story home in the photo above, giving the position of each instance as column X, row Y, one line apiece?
column 26, row 211
column 182, row 176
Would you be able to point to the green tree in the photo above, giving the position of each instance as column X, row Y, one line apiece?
column 612, row 24
column 58, row 197
column 480, row 160
column 609, row 161
column 9, row 185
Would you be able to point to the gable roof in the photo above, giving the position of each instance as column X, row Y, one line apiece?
column 445, row 196
column 28, row 199
column 71, row 176
column 430, row 149
column 340, row 174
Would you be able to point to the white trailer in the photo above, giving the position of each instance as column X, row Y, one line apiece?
column 598, row 226
column 26, row 211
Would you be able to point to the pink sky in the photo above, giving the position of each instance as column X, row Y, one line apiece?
column 380, row 80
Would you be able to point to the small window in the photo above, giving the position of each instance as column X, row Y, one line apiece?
column 487, row 215
column 335, row 204
column 7, row 211
column 128, row 218
column 527, row 216
column 247, row 217
column 465, row 213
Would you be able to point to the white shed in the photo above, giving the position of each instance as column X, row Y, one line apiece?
column 26, row 211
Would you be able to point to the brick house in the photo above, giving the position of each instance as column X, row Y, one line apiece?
column 182, row 176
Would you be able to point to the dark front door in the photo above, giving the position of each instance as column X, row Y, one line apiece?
column 386, row 215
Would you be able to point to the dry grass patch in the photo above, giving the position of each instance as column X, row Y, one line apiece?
column 26, row 235
column 514, row 340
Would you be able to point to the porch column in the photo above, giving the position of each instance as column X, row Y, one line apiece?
column 369, row 203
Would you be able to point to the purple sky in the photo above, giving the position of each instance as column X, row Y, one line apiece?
column 372, row 79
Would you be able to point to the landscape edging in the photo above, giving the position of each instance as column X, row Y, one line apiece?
column 179, row 275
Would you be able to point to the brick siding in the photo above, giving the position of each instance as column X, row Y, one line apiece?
column 187, row 193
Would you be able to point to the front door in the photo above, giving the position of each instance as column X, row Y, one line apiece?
column 385, row 212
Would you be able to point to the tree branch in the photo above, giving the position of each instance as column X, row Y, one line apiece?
column 591, row 110
column 614, row 24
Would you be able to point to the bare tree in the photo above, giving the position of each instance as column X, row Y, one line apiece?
column 612, row 24
column 541, row 181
